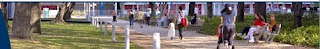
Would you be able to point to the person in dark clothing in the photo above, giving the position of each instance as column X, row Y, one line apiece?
column 194, row 19
column 114, row 14
column 179, row 18
column 244, row 31
column 131, row 17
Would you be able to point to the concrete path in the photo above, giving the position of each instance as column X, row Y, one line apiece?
column 192, row 40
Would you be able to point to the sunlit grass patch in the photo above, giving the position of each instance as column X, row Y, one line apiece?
column 70, row 36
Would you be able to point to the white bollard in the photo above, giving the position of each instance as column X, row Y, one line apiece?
column 105, row 29
column 127, row 38
column 156, row 40
column 100, row 25
column 92, row 22
column 113, row 32
column 97, row 23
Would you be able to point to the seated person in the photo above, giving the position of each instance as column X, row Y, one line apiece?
column 258, row 23
column 194, row 19
column 272, row 25
column 162, row 20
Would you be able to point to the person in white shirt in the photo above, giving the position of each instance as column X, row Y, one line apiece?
column 148, row 17
column 179, row 17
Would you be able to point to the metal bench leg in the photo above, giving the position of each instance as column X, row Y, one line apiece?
column 273, row 36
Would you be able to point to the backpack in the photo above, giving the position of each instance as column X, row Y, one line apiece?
column 184, row 21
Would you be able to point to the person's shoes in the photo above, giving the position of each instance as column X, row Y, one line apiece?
column 141, row 26
column 251, row 41
column 226, row 45
column 230, row 47
column 239, row 34
column 246, row 38
column 171, row 38
column 180, row 38
column 256, row 42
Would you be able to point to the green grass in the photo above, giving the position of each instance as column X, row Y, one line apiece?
column 306, row 35
column 70, row 36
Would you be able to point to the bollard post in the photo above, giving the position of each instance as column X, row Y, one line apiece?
column 156, row 40
column 127, row 37
column 97, row 23
column 113, row 32
column 92, row 22
column 100, row 25
column 105, row 29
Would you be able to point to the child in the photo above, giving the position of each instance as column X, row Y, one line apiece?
column 171, row 31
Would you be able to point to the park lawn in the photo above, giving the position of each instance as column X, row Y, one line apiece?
column 70, row 36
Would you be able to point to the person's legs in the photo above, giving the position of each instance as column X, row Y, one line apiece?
column 141, row 22
column 131, row 21
column 231, row 35
column 258, row 33
column 180, row 30
column 148, row 20
column 159, row 23
column 244, row 31
column 225, row 34
column 114, row 18
column 250, row 34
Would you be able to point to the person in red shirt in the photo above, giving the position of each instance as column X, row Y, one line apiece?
column 254, row 30
column 260, row 25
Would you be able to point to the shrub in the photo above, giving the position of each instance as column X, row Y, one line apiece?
column 306, row 35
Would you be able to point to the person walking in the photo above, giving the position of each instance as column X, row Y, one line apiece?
column 179, row 22
column 114, row 14
column 228, row 18
column 148, row 17
column 131, row 17
column 140, row 17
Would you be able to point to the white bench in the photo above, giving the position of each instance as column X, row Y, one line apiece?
column 200, row 22
column 273, row 34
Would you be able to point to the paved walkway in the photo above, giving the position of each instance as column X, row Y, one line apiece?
column 192, row 40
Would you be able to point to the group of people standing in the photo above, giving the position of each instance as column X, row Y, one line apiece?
column 172, row 17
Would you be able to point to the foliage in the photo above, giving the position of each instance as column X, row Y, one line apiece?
column 306, row 35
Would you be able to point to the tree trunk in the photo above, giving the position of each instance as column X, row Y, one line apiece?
column 153, row 9
column 163, row 8
column 240, row 17
column 69, row 10
column 21, row 22
column 35, row 18
column 297, row 13
column 260, row 7
column 60, row 14
column 191, row 8
column 209, row 9
column 4, row 12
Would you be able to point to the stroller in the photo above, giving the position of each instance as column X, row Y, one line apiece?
column 220, row 36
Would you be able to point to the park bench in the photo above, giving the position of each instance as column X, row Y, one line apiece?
column 200, row 22
column 273, row 34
